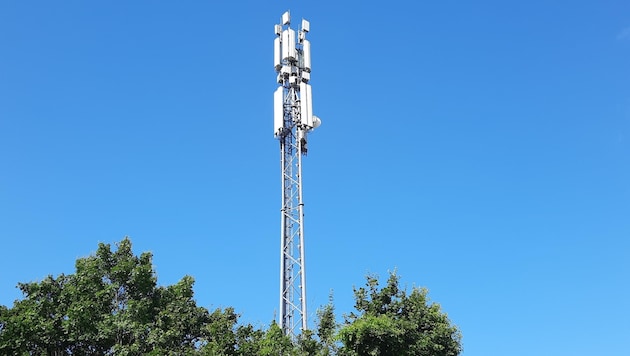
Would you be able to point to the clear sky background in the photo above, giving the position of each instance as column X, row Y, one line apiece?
column 480, row 148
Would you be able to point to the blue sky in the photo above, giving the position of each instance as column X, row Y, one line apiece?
column 482, row 149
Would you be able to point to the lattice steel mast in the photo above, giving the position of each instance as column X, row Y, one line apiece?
column 293, row 119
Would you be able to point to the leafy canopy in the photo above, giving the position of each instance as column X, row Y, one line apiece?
column 390, row 321
column 112, row 305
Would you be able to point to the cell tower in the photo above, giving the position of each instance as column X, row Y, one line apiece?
column 293, row 120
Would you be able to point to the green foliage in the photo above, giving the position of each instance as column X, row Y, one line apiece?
column 326, row 329
column 248, row 340
column 275, row 342
column 307, row 344
column 112, row 305
column 391, row 322
column 41, row 320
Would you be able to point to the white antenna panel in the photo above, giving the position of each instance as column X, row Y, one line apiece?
column 306, row 105
column 286, row 18
column 291, row 44
column 277, row 64
column 278, row 111
column 306, row 47
column 306, row 26
column 285, row 44
column 309, row 103
column 304, row 114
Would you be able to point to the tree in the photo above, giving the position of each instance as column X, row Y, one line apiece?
column 36, row 325
column 391, row 322
column 326, row 329
column 110, row 305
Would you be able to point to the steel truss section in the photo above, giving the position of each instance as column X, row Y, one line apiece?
column 292, row 277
